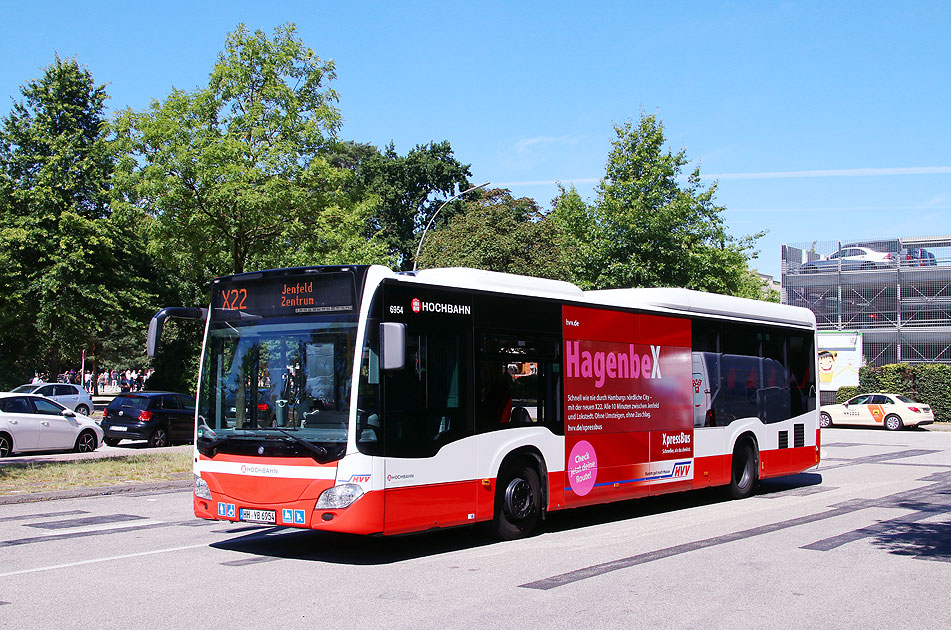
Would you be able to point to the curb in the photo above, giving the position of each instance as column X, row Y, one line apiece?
column 77, row 493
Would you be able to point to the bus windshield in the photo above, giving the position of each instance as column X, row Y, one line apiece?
column 281, row 385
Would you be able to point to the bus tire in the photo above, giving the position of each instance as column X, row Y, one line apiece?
column 743, row 470
column 517, row 502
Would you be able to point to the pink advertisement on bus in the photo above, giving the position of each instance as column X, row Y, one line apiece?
column 628, row 403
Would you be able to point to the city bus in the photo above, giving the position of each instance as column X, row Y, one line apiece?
column 357, row 399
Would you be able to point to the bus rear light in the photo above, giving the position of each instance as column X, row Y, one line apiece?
column 145, row 416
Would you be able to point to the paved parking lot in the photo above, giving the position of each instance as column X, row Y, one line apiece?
column 860, row 542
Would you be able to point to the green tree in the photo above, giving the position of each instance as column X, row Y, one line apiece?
column 499, row 233
column 646, row 228
column 233, row 171
column 410, row 189
column 67, row 269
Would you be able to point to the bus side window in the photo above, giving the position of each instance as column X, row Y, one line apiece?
column 425, row 406
column 518, row 383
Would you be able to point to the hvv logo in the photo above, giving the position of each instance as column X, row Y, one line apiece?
column 359, row 478
column 681, row 470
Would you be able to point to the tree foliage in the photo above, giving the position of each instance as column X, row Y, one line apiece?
column 647, row 227
column 233, row 172
column 499, row 233
column 410, row 189
column 67, row 268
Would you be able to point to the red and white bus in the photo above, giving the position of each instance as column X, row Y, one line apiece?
column 356, row 399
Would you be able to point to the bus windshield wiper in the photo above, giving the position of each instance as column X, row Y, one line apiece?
column 317, row 452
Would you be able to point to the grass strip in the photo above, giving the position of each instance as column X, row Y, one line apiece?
column 91, row 473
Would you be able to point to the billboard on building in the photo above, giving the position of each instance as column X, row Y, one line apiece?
column 840, row 357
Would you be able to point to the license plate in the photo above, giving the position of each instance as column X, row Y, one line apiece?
column 119, row 428
column 258, row 516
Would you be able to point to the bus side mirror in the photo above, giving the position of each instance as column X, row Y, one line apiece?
column 392, row 345
column 158, row 323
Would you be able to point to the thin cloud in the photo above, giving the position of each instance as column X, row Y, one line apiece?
column 529, row 145
column 839, row 209
column 843, row 172
column 548, row 182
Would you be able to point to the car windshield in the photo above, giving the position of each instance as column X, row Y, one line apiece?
column 905, row 399
column 285, row 381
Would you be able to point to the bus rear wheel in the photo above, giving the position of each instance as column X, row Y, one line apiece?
column 743, row 471
column 517, row 503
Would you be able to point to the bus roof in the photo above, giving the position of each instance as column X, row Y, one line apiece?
column 669, row 300
column 685, row 301
column 479, row 279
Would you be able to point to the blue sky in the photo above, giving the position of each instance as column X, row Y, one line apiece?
column 820, row 120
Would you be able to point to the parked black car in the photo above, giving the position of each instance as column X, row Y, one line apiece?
column 162, row 418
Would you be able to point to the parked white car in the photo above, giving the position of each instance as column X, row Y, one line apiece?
column 850, row 259
column 66, row 394
column 889, row 410
column 34, row 423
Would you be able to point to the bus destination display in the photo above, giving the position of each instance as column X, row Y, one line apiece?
column 295, row 295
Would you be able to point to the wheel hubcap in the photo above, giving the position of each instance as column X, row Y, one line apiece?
column 743, row 474
column 518, row 499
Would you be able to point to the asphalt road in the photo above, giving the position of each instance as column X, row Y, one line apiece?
column 864, row 541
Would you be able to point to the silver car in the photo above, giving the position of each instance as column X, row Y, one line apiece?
column 66, row 394
column 850, row 259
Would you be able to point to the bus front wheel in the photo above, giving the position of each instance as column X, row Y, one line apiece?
column 517, row 502
column 743, row 471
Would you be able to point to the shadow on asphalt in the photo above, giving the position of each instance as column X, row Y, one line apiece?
column 350, row 549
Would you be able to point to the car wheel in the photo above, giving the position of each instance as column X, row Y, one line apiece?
column 6, row 445
column 83, row 409
column 893, row 422
column 517, row 502
column 825, row 420
column 743, row 472
column 86, row 442
column 159, row 437
column 111, row 441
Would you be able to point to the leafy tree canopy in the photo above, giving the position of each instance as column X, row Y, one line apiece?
column 496, row 232
column 410, row 189
column 66, row 271
column 233, row 171
column 648, row 227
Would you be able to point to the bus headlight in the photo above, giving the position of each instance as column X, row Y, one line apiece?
column 202, row 491
column 339, row 497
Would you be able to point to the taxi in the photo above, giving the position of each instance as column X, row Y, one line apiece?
column 889, row 410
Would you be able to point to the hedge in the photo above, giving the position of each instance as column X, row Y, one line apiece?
column 926, row 383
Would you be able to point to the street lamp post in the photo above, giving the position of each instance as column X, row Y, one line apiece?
column 433, row 218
